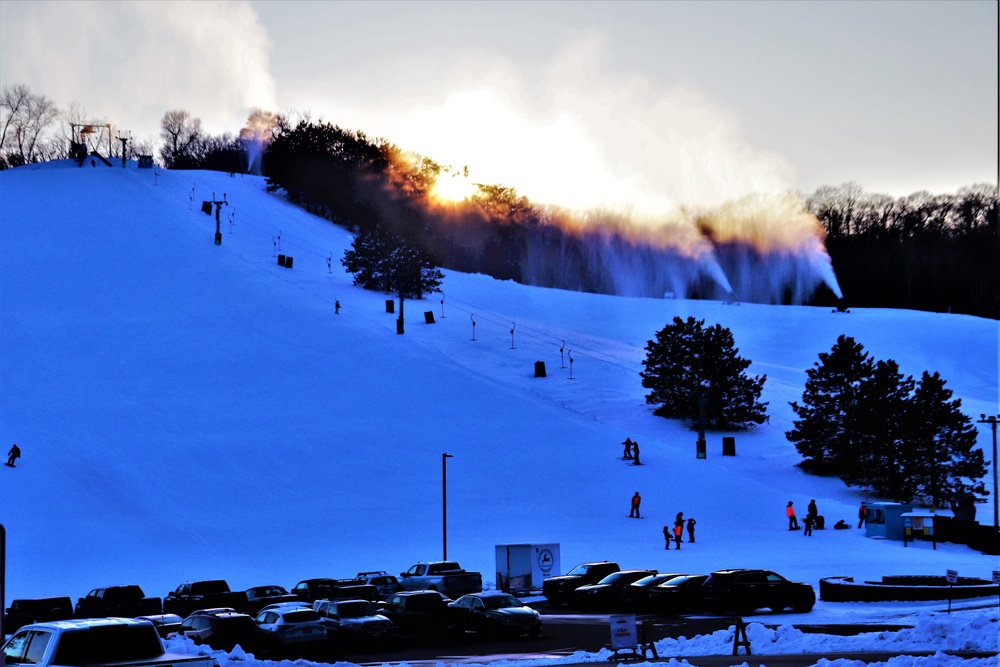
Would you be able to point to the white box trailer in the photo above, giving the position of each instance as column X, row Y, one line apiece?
column 521, row 568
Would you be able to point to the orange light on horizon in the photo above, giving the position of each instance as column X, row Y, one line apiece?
column 452, row 188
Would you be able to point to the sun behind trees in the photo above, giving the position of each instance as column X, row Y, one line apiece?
column 862, row 421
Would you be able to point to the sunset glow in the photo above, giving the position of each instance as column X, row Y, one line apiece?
column 452, row 188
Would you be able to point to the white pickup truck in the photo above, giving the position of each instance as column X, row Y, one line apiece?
column 444, row 576
column 111, row 642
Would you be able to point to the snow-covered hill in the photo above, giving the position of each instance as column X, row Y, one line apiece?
column 187, row 410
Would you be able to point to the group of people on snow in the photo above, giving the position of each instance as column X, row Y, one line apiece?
column 678, row 531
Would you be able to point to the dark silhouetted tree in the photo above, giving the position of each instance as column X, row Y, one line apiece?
column 696, row 373
column 866, row 423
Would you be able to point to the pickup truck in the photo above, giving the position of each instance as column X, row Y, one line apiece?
column 36, row 610
column 127, row 601
column 559, row 590
column 194, row 595
column 445, row 576
column 113, row 642
column 325, row 588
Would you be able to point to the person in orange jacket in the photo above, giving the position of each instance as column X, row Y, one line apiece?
column 635, row 505
column 793, row 523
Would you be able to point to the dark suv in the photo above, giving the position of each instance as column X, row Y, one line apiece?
column 559, row 590
column 743, row 591
column 222, row 629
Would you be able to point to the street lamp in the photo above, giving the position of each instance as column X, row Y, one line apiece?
column 444, row 504
column 992, row 421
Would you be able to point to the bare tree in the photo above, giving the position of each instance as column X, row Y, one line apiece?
column 13, row 102
column 180, row 133
column 26, row 118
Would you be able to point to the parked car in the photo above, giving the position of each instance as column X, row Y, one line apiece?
column 259, row 597
column 165, row 624
column 496, row 614
column 353, row 621
column 222, row 629
column 678, row 595
column 606, row 593
column 386, row 584
column 635, row 596
column 289, row 625
column 559, row 590
column 37, row 610
column 421, row 614
column 745, row 590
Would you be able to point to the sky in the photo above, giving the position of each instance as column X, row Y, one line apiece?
column 189, row 411
column 643, row 105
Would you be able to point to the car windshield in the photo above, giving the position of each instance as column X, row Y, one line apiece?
column 652, row 580
column 580, row 570
column 301, row 616
column 355, row 609
column 681, row 581
column 501, row 601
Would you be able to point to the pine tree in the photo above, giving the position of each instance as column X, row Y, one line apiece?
column 942, row 461
column 827, row 416
column 696, row 373
column 875, row 455
column 382, row 261
column 865, row 422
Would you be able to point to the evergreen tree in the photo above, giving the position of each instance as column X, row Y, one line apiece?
column 865, row 422
column 382, row 261
column 369, row 259
column 941, row 460
column 695, row 373
column 827, row 416
column 875, row 455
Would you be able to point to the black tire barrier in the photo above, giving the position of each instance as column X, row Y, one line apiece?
column 904, row 588
column 390, row 306
column 429, row 316
column 281, row 260
column 539, row 369
column 288, row 261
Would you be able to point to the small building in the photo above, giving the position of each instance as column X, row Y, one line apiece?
column 521, row 568
column 885, row 520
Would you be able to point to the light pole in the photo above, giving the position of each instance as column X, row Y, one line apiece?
column 444, row 504
column 992, row 421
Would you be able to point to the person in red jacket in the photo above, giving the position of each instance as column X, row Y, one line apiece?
column 793, row 523
column 635, row 505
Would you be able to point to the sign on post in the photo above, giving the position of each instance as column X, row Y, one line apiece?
column 951, row 576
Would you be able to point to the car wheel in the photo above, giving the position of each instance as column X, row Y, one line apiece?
column 803, row 607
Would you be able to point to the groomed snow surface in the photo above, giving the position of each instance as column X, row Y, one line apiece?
column 191, row 411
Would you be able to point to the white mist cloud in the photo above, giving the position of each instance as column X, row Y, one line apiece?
column 579, row 135
column 130, row 62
